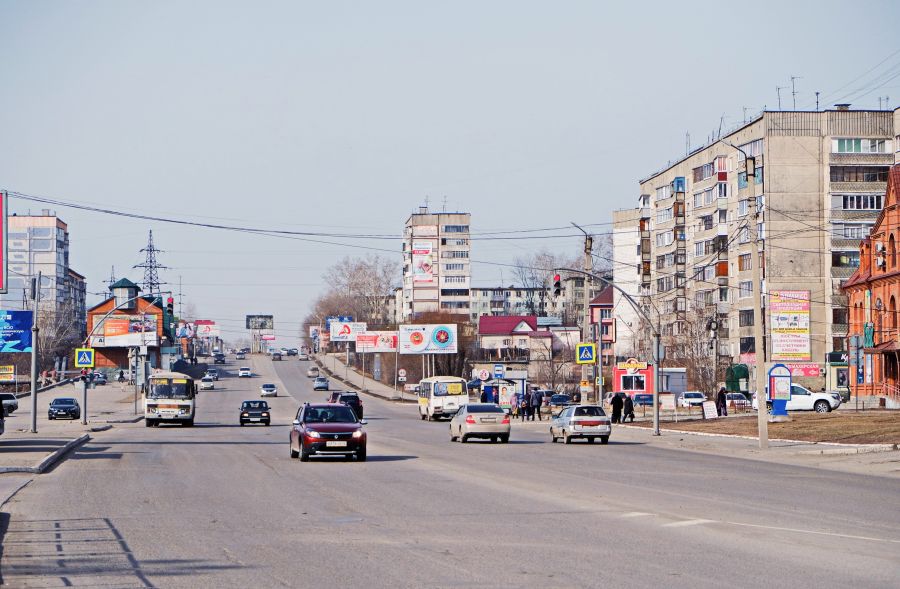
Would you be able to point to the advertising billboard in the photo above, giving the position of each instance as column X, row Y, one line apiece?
column 789, row 314
column 123, row 331
column 15, row 331
column 346, row 331
column 428, row 339
column 184, row 329
column 423, row 261
column 206, row 328
column 260, row 322
column 376, row 341
column 341, row 318
column 7, row 373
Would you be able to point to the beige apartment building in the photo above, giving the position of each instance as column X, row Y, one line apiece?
column 685, row 251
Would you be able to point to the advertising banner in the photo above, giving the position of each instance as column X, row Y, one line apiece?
column 422, row 261
column 428, row 339
column 789, row 313
column 15, row 331
column 340, row 318
column 376, row 341
column 206, row 328
column 314, row 332
column 185, row 329
column 346, row 332
column 7, row 373
column 425, row 231
column 260, row 322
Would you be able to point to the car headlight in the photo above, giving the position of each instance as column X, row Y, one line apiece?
column 245, row 415
column 357, row 434
column 265, row 414
column 313, row 434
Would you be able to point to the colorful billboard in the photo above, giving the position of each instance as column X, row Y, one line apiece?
column 7, row 373
column 206, row 328
column 15, row 331
column 123, row 331
column 376, row 341
column 260, row 322
column 346, row 331
column 423, row 261
column 428, row 339
column 789, row 315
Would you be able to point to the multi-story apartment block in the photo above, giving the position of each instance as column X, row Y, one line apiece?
column 509, row 300
column 820, row 185
column 627, row 255
column 436, row 267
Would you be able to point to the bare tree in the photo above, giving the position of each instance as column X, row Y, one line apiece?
column 550, row 363
column 363, row 287
column 536, row 272
column 691, row 346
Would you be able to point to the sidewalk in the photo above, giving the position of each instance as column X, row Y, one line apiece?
column 350, row 377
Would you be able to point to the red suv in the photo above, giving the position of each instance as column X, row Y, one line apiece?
column 327, row 429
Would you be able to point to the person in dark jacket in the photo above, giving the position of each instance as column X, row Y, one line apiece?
column 525, row 406
column 628, row 409
column 484, row 395
column 617, row 403
column 537, row 399
column 722, row 402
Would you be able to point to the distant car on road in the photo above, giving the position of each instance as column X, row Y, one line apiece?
column 64, row 407
column 212, row 373
column 219, row 358
column 302, row 356
column 581, row 421
column 320, row 384
column 98, row 378
column 643, row 400
column 276, row 356
column 352, row 400
column 268, row 390
column 255, row 412
column 240, row 356
column 10, row 403
column 244, row 372
column 312, row 372
column 803, row 399
column 327, row 429
column 293, row 352
column 692, row 399
column 207, row 383
column 558, row 401
column 480, row 420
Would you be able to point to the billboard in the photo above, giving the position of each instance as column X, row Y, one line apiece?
column 345, row 331
column 428, row 339
column 260, row 322
column 376, row 341
column 341, row 318
column 4, row 249
column 206, row 328
column 123, row 331
column 8, row 373
column 422, row 261
column 314, row 332
column 184, row 329
column 15, row 331
column 789, row 315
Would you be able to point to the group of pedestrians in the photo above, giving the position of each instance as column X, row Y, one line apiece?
column 528, row 406
column 622, row 408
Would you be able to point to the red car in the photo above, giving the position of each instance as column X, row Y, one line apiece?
column 327, row 429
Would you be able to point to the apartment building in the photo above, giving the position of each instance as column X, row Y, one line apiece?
column 436, row 267
column 820, row 185
column 509, row 300
column 627, row 256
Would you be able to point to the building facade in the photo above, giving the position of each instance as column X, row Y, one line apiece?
column 436, row 267
column 820, row 184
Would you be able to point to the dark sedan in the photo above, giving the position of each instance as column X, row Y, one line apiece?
column 255, row 412
column 352, row 400
column 327, row 429
column 64, row 407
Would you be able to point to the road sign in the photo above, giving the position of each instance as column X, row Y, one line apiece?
column 7, row 373
column 499, row 370
column 484, row 375
column 402, row 372
column 84, row 357
column 585, row 353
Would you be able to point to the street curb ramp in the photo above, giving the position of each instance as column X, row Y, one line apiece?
column 48, row 460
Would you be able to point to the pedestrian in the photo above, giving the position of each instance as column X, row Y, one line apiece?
column 514, row 404
column 526, row 406
column 628, row 409
column 484, row 395
column 722, row 402
column 537, row 399
column 617, row 405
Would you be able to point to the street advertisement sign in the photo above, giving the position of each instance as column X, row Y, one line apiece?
column 267, row 337
column 7, row 373
column 122, row 331
column 206, row 328
column 314, row 332
column 15, row 331
column 376, row 341
column 422, row 261
column 789, row 312
column 779, row 388
column 346, row 332
column 709, row 410
column 428, row 339
column 4, row 249
column 805, row 369
column 260, row 322
column 184, row 329
column 341, row 318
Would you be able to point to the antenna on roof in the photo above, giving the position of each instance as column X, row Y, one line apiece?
column 794, row 89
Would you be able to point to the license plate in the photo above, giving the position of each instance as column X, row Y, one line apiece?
column 489, row 420
column 336, row 444
column 254, row 419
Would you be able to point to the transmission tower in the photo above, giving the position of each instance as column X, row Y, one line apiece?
column 112, row 277
column 151, row 268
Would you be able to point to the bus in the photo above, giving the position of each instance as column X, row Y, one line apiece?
column 441, row 396
column 171, row 397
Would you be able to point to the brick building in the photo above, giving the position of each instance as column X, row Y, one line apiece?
column 138, row 322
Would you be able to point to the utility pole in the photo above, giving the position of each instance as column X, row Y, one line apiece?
column 794, row 89
column 36, row 297
column 759, row 342
column 586, row 369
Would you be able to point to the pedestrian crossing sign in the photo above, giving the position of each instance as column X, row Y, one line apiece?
column 586, row 353
column 84, row 358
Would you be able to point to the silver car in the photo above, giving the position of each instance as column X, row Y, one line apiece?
column 480, row 420
column 581, row 421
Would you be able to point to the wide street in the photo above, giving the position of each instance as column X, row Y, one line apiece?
column 219, row 505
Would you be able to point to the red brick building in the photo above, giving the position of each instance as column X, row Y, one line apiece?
column 137, row 322
column 874, row 295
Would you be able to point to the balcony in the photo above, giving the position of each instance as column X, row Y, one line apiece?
column 500, row 355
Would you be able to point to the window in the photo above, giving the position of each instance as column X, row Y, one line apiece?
column 456, row 254
column 742, row 180
column 665, row 238
column 862, row 202
column 706, row 222
column 454, row 292
column 605, row 313
column 743, row 207
column 454, row 267
column 845, row 259
column 663, row 192
column 665, row 261
column 745, row 262
column 664, row 215
column 665, row 284
column 745, row 317
column 744, row 236
column 748, row 345
column 703, row 172
column 703, row 198
column 722, row 164
column 454, row 279
column 632, row 382
column 840, row 316
column 753, row 149
column 722, row 190
column 859, row 173
column 456, row 228
column 746, row 289
column 723, row 216
column 860, row 146
column 852, row 230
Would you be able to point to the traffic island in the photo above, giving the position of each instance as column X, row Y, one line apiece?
column 26, row 453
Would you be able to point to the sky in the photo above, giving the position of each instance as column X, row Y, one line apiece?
column 343, row 117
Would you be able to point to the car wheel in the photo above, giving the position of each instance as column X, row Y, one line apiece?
column 361, row 455
column 268, row 423
column 590, row 440
column 604, row 439
column 822, row 407
column 567, row 439
column 504, row 439
column 304, row 455
column 552, row 437
column 294, row 453
column 50, row 417
column 242, row 424
column 463, row 438
column 148, row 423
column 422, row 416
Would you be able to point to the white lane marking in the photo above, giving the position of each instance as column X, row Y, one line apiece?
column 689, row 522
column 635, row 514
column 818, row 533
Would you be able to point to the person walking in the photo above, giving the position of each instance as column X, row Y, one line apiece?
column 526, row 406
column 722, row 402
column 617, row 405
column 628, row 409
column 537, row 399
column 513, row 405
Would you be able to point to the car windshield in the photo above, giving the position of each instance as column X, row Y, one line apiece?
column 329, row 415
column 560, row 399
column 255, row 405
column 486, row 408
column 63, row 402
column 207, row 379
column 269, row 387
column 589, row 412
column 174, row 389
column 349, row 399
column 693, row 395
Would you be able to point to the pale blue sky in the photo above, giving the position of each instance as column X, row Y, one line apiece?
column 342, row 116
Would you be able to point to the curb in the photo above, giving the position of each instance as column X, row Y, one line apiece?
column 395, row 398
column 129, row 420
column 49, row 460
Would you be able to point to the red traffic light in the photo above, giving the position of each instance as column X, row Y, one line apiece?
column 170, row 301
column 556, row 278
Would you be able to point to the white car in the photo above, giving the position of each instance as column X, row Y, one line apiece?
column 244, row 372
column 803, row 399
column 302, row 356
column 312, row 372
column 692, row 399
column 268, row 390
column 207, row 383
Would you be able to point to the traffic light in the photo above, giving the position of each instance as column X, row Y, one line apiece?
column 170, row 306
column 557, row 285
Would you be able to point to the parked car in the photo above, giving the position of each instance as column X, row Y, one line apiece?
column 268, row 390
column 64, row 407
column 691, row 399
column 212, row 373
column 480, row 420
column 328, row 429
column 219, row 358
column 803, row 399
column 293, row 352
column 312, row 371
column 276, row 356
column 352, row 400
column 255, row 412
column 581, row 421
column 240, row 356
column 302, row 356
column 643, row 400
column 558, row 401
column 320, row 384
column 207, row 383
column 10, row 403
column 739, row 400
column 98, row 378
column 244, row 372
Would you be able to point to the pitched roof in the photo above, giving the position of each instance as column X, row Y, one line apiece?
column 506, row 324
column 604, row 297
column 124, row 283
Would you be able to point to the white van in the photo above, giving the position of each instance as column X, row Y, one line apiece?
column 441, row 396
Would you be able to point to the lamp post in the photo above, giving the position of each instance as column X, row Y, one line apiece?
column 586, row 298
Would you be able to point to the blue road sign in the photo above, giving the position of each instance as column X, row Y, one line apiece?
column 84, row 358
column 586, row 353
column 499, row 370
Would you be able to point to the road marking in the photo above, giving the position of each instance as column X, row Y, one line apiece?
column 689, row 522
column 635, row 514
column 818, row 533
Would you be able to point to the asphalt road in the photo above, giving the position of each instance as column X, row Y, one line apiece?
column 224, row 506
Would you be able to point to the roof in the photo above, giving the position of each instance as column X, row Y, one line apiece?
column 604, row 298
column 506, row 324
column 124, row 283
